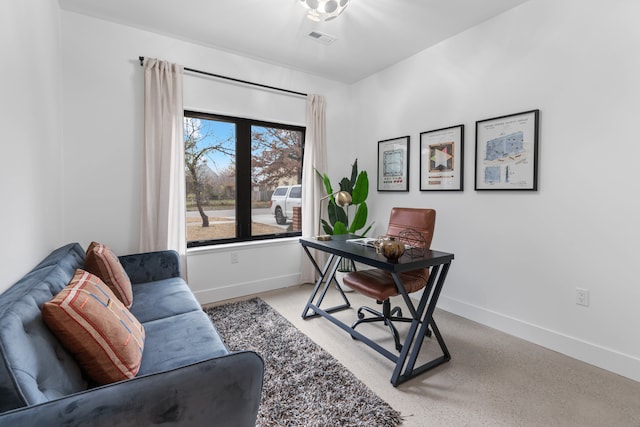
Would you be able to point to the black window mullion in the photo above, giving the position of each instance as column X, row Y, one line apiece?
column 243, row 179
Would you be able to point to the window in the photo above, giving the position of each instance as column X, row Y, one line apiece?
column 233, row 168
column 296, row 192
column 280, row 191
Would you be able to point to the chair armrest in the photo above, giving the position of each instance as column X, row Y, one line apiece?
column 151, row 266
column 223, row 391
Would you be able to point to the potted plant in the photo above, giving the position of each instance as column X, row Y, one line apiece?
column 357, row 185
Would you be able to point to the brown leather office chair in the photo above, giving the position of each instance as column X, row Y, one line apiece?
column 379, row 284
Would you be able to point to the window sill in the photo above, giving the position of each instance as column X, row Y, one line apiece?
column 255, row 244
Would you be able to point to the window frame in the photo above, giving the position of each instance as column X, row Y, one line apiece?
column 243, row 206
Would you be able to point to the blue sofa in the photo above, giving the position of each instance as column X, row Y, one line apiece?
column 187, row 375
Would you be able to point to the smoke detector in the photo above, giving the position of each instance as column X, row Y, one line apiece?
column 323, row 38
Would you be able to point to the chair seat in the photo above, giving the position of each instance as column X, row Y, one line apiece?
column 379, row 284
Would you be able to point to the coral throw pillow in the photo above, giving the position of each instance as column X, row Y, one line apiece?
column 102, row 262
column 96, row 328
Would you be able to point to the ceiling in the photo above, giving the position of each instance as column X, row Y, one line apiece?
column 370, row 35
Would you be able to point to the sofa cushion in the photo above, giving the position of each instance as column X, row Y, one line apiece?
column 34, row 366
column 162, row 298
column 151, row 266
column 96, row 328
column 102, row 262
column 180, row 340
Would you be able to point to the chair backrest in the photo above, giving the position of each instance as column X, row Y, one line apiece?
column 422, row 221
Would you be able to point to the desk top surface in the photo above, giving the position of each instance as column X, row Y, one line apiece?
column 338, row 245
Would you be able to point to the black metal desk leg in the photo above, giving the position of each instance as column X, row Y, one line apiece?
column 428, row 301
column 322, row 274
column 327, row 275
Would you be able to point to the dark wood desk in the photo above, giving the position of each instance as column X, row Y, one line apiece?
column 422, row 315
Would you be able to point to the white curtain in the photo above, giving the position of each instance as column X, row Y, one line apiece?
column 163, row 181
column 315, row 158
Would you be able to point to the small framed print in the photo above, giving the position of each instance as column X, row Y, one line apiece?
column 507, row 152
column 393, row 164
column 441, row 159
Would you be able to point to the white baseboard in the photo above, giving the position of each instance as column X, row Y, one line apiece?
column 237, row 290
column 594, row 354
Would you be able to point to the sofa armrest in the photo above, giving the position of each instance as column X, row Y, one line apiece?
column 224, row 391
column 151, row 266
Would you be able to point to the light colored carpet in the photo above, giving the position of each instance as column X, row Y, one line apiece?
column 493, row 379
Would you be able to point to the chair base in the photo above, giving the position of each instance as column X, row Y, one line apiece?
column 387, row 316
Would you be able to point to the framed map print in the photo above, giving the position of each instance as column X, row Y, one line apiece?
column 441, row 159
column 507, row 152
column 393, row 164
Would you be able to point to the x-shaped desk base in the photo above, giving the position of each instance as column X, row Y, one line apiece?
column 405, row 362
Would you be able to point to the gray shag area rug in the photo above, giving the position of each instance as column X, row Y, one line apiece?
column 303, row 384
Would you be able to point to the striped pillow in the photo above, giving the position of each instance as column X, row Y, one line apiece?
column 93, row 325
column 102, row 262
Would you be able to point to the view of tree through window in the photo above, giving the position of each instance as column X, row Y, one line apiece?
column 232, row 168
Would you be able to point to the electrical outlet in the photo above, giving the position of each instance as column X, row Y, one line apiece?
column 582, row 297
column 234, row 258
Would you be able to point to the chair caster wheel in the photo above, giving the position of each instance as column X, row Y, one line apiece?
column 360, row 315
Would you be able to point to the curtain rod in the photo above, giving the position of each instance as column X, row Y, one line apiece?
column 141, row 58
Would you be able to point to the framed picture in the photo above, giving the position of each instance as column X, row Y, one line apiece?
column 441, row 159
column 507, row 152
column 393, row 164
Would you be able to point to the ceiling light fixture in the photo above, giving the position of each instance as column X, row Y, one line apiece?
column 324, row 10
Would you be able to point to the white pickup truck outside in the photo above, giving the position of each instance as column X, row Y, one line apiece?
column 283, row 200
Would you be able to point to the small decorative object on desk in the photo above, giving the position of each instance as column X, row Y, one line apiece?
column 391, row 248
column 414, row 243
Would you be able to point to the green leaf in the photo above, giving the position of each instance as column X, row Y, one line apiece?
column 327, row 185
column 361, row 189
column 337, row 213
column 360, row 218
column 354, row 173
column 341, row 215
column 331, row 210
column 326, row 227
column 339, row 228
column 345, row 185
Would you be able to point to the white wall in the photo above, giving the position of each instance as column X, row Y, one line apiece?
column 30, row 168
column 103, row 114
column 521, row 255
